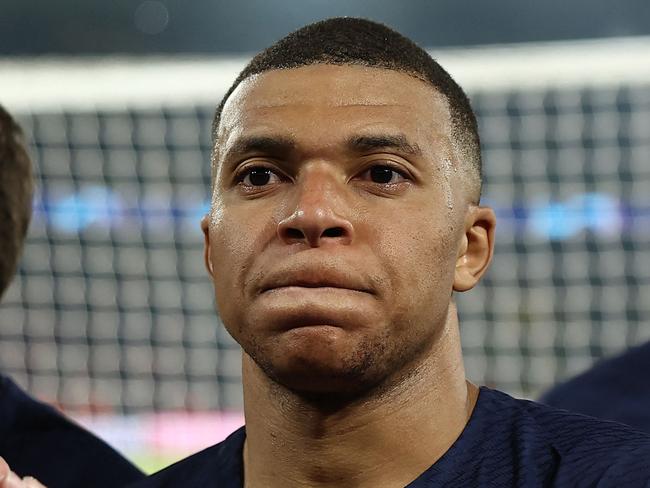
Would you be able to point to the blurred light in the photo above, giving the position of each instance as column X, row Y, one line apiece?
column 595, row 212
column 151, row 17
column 93, row 205
column 602, row 214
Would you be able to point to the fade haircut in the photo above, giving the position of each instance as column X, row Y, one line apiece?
column 361, row 42
column 16, row 188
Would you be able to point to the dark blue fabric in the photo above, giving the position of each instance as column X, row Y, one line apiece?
column 615, row 389
column 37, row 440
column 507, row 443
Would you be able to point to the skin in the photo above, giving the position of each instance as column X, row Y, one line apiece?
column 337, row 279
column 9, row 479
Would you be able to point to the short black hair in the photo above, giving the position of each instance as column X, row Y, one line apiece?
column 16, row 188
column 361, row 42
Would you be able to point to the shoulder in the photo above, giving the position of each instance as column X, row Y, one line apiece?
column 16, row 404
column 37, row 440
column 578, row 449
column 613, row 389
column 512, row 442
column 9, row 391
column 219, row 465
column 21, row 413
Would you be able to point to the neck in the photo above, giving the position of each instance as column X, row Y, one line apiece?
column 386, row 438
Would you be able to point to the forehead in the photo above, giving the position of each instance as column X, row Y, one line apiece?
column 345, row 98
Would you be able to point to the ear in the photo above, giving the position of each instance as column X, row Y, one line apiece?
column 207, row 254
column 476, row 248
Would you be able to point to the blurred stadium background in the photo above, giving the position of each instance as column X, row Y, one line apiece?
column 111, row 316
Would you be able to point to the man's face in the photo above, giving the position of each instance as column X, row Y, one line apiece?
column 336, row 223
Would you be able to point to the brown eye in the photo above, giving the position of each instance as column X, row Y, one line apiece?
column 259, row 177
column 384, row 175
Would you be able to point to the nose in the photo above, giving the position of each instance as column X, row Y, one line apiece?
column 318, row 215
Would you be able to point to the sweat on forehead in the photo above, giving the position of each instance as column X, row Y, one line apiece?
column 360, row 108
column 353, row 41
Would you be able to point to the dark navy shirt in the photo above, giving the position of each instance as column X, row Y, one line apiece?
column 506, row 443
column 615, row 389
column 37, row 440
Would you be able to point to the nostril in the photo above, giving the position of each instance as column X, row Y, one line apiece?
column 294, row 233
column 333, row 232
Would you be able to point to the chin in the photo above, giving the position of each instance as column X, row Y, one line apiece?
column 326, row 372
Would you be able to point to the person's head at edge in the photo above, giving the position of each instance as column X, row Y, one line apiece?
column 345, row 212
column 16, row 188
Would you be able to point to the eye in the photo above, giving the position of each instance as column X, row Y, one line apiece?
column 258, row 176
column 383, row 174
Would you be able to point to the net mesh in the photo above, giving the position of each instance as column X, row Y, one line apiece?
column 112, row 310
column 567, row 171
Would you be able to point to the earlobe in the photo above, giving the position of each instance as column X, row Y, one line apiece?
column 476, row 248
column 207, row 254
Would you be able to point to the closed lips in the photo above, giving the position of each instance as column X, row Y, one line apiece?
column 313, row 279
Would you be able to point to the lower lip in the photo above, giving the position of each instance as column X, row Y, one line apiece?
column 319, row 310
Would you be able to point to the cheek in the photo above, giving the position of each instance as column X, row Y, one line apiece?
column 230, row 251
column 236, row 239
column 420, row 261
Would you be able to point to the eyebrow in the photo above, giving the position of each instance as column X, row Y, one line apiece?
column 282, row 145
column 398, row 142
column 279, row 145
